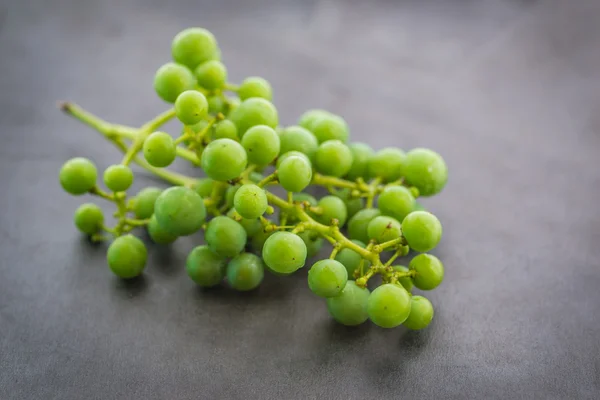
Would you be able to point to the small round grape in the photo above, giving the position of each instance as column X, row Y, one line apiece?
column 250, row 201
column 193, row 46
column 225, row 129
column 333, row 158
column 78, row 176
column 330, row 127
column 204, row 187
column 297, row 138
column 426, row 170
column 288, row 154
column 388, row 305
column 159, row 149
column 361, row 156
column 245, row 272
column 358, row 225
column 429, row 271
column 421, row 313
column 294, row 173
column 254, row 111
column 262, row 144
column 118, row 178
column 284, row 252
column 350, row 307
column 422, row 230
column 191, row 107
column 382, row 229
column 310, row 117
column 387, row 164
column 255, row 86
column 332, row 207
column 327, row 278
column 127, row 256
column 171, row 80
column 396, row 201
column 211, row 75
column 205, row 267
column 89, row 218
column 225, row 236
column 180, row 211
column 143, row 203
column 224, row 159
column 158, row 234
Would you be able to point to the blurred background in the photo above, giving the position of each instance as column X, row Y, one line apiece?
column 508, row 91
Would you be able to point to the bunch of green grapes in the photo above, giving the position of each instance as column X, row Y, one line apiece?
column 233, row 134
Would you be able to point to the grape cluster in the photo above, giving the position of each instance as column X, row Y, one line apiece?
column 233, row 134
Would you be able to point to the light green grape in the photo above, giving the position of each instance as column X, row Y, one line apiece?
column 191, row 107
column 127, row 256
column 224, row 159
column 429, row 271
column 426, row 170
column 251, row 226
column 288, row 154
column 333, row 158
column 225, row 236
column 358, row 225
column 406, row 281
column 171, row 80
column 250, row 201
column 88, row 218
column 217, row 104
column 396, row 202
column 361, row 156
column 225, row 129
column 387, row 164
column 422, row 230
column 350, row 307
column 78, row 176
column 193, row 46
column 313, row 242
column 388, row 305
column 327, row 278
column 158, row 234
column 262, row 144
column 205, row 267
column 245, row 272
column 159, row 149
column 297, row 138
column 332, row 207
column 351, row 259
column 330, row 127
column 294, row 174
column 421, row 313
column 310, row 117
column 204, row 187
column 254, row 111
column 211, row 74
column 353, row 204
column 382, row 229
column 258, row 240
column 143, row 202
column 255, row 86
column 180, row 211
column 284, row 252
column 230, row 195
column 118, row 178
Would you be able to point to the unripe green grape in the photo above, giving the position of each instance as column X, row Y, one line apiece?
column 396, row 202
column 159, row 149
column 171, row 80
column 216, row 104
column 313, row 242
column 284, row 252
column 353, row 204
column 292, row 153
column 297, row 138
column 422, row 230
column 143, row 203
column 358, row 225
column 254, row 111
column 429, row 271
column 388, row 305
column 225, row 129
column 224, row 159
column 310, row 117
column 88, row 218
column 330, row 127
column 118, row 178
column 245, row 272
column 211, row 75
column 78, row 176
column 225, row 236
column 387, row 164
column 257, row 242
column 251, row 226
column 294, row 173
column 332, row 207
column 230, row 195
column 382, row 229
column 351, row 259
column 426, row 170
column 127, row 256
column 350, row 307
column 327, row 278
column 180, row 211
column 421, row 313
column 205, row 267
column 158, row 234
column 406, row 281
column 250, row 201
column 191, row 107
column 262, row 144
column 193, row 46
column 255, row 86
column 204, row 187
column 361, row 155
column 333, row 158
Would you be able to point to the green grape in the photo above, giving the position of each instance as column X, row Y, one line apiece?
column 232, row 104
column 217, row 104
column 257, row 242
column 422, row 230
column 180, row 211
column 421, row 313
column 361, row 155
column 382, row 229
column 250, row 201
column 78, row 176
column 406, row 281
column 350, row 307
column 313, row 242
column 127, row 256
column 143, row 203
column 294, row 174
column 225, row 236
column 230, row 195
column 245, row 272
column 297, row 138
column 211, row 74
column 255, row 86
column 330, row 127
column 387, row 164
column 288, row 154
column 191, row 107
column 333, row 158
column 284, row 252
column 224, row 159
column 310, row 117
column 426, row 170
column 225, row 130
column 254, row 111
column 171, row 80
column 193, row 46
column 262, row 144
column 327, row 278
column 204, row 187
column 159, row 149
column 118, row 178
column 358, row 225
column 205, row 267
column 388, row 305
column 158, row 234
column 353, row 204
column 256, row 176
column 351, row 259
column 332, row 207
column 251, row 226
column 89, row 218
column 396, row 201
column 429, row 271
